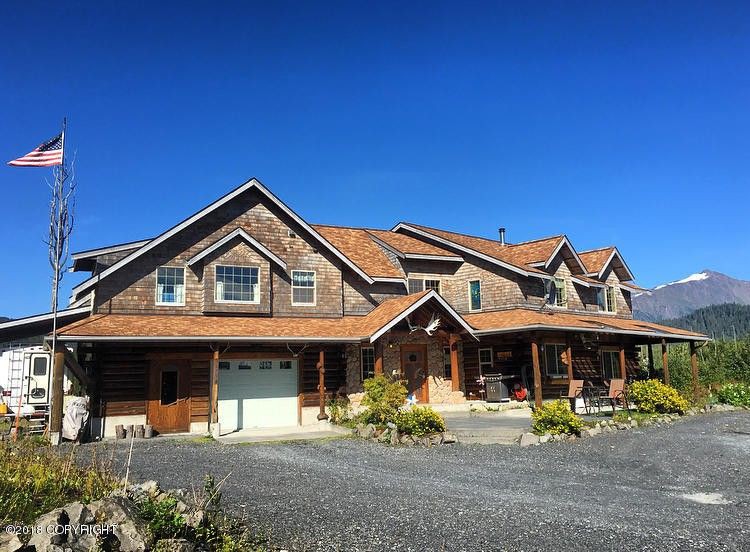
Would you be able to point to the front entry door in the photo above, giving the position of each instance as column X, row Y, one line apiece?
column 414, row 368
column 169, row 396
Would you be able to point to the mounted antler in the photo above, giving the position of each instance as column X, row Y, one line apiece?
column 429, row 329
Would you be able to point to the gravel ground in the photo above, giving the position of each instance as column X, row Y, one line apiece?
column 611, row 492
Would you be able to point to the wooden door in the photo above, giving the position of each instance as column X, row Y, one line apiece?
column 414, row 368
column 168, row 408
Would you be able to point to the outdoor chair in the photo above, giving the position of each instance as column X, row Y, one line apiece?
column 575, row 391
column 615, row 394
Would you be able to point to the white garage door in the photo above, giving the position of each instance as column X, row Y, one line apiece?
column 257, row 394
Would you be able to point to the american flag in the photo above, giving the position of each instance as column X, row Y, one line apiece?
column 48, row 154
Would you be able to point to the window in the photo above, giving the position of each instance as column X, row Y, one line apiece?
column 303, row 287
column 475, row 295
column 224, row 365
column 432, row 284
column 285, row 364
column 554, row 353
column 40, row 366
column 169, row 383
column 485, row 360
column 244, row 365
column 170, row 285
column 561, row 293
column 237, row 284
column 610, row 363
column 265, row 365
column 368, row 362
column 447, row 363
column 416, row 285
column 607, row 299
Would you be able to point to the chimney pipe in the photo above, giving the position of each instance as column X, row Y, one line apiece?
column 501, row 231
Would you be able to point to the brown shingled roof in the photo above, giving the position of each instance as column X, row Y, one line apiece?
column 352, row 328
column 595, row 258
column 535, row 251
column 515, row 319
column 359, row 247
column 408, row 245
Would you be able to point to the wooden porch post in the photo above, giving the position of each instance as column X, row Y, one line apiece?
column 322, row 385
column 215, row 388
column 537, row 372
column 623, row 368
column 650, row 359
column 665, row 361
column 694, row 368
column 569, row 353
column 56, row 404
column 453, row 342
column 378, row 358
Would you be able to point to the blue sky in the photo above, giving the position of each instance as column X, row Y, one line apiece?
column 615, row 124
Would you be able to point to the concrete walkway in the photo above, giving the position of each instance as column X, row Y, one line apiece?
column 486, row 428
column 276, row 434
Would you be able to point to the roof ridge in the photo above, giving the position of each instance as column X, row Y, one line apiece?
column 556, row 236
column 497, row 242
column 598, row 249
column 346, row 227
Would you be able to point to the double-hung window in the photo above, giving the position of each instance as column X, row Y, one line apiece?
column 610, row 359
column 607, row 299
column 475, row 295
column 237, row 284
column 553, row 360
column 303, row 287
column 170, row 285
column 368, row 362
column 485, row 361
column 417, row 285
column 561, row 293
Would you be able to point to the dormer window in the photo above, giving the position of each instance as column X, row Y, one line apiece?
column 607, row 299
column 170, row 286
column 561, row 293
column 237, row 284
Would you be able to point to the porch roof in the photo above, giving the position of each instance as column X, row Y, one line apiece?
column 515, row 320
column 165, row 327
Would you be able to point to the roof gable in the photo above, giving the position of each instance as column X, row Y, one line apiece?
column 358, row 246
column 598, row 260
column 244, row 236
column 253, row 183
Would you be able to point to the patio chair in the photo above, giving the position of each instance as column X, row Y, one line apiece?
column 615, row 394
column 575, row 391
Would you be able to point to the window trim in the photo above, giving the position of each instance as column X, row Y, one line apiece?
column 423, row 280
column 156, row 287
column 315, row 289
column 603, row 291
column 559, row 362
column 362, row 363
column 216, row 285
column 439, row 284
column 615, row 351
column 491, row 363
column 468, row 289
column 564, row 304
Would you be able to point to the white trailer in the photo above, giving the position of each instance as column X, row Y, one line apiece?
column 25, row 377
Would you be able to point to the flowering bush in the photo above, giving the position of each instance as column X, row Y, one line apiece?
column 383, row 397
column 555, row 417
column 653, row 396
column 419, row 421
column 737, row 394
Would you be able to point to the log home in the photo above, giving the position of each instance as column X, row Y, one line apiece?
column 244, row 315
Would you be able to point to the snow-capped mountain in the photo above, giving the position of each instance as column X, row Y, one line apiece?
column 682, row 297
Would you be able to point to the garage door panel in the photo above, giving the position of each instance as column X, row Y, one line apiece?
column 257, row 394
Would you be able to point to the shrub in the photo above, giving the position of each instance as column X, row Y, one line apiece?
column 419, row 421
column 36, row 478
column 653, row 396
column 737, row 394
column 383, row 397
column 555, row 417
column 339, row 410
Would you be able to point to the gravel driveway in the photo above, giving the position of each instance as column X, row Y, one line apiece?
column 614, row 492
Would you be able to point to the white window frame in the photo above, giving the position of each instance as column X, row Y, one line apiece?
column 423, row 286
column 314, row 288
column 468, row 290
column 608, row 308
column 216, row 285
column 410, row 280
column 615, row 352
column 482, row 365
column 425, row 280
column 156, row 288
column 558, row 363
column 564, row 288
column 362, row 376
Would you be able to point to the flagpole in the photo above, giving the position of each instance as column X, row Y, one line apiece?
column 57, row 401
